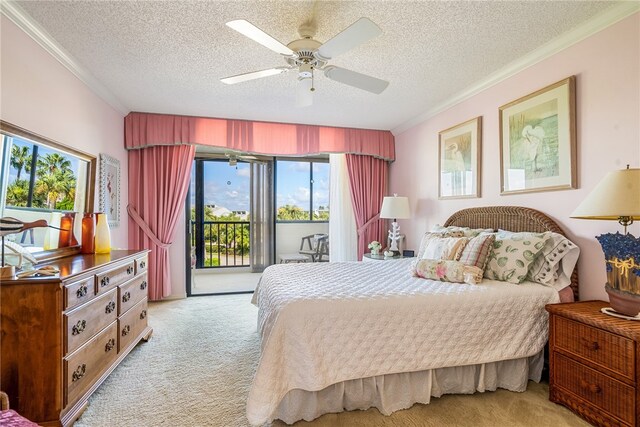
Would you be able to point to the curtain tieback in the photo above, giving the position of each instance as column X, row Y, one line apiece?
column 367, row 224
column 145, row 228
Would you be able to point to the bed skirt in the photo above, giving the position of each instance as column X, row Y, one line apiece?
column 390, row 393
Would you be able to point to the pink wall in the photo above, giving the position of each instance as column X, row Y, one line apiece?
column 41, row 95
column 607, row 66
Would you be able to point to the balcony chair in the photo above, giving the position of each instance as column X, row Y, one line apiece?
column 317, row 247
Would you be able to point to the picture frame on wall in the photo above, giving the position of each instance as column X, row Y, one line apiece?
column 459, row 152
column 538, row 140
column 109, row 201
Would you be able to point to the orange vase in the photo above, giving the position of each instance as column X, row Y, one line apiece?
column 88, row 234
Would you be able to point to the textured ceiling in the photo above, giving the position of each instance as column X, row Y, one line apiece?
column 168, row 57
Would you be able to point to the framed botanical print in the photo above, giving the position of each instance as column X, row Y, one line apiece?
column 459, row 153
column 109, row 201
column 538, row 140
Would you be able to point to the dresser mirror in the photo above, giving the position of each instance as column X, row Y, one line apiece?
column 44, row 179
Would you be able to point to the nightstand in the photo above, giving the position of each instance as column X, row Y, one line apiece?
column 594, row 363
column 368, row 257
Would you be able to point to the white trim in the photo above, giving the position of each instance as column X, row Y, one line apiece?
column 27, row 24
column 562, row 42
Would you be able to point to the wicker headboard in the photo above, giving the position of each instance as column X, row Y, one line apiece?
column 512, row 218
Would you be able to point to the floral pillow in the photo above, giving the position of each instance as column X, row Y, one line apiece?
column 513, row 254
column 430, row 235
column 447, row 271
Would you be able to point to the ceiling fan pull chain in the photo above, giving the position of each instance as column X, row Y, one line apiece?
column 313, row 88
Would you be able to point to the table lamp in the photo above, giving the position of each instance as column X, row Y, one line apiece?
column 617, row 198
column 395, row 207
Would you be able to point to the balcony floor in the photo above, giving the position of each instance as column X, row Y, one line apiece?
column 213, row 281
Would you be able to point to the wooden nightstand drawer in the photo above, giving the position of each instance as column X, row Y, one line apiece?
column 612, row 396
column 608, row 350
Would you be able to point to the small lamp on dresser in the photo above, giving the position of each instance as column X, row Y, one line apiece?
column 617, row 198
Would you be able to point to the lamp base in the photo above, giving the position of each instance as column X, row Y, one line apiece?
column 7, row 272
column 623, row 302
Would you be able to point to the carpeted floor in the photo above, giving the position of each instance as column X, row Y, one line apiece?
column 197, row 368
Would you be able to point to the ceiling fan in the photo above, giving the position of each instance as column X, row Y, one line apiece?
column 307, row 55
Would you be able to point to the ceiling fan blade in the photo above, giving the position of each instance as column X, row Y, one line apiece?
column 253, row 75
column 304, row 95
column 247, row 29
column 351, row 78
column 357, row 33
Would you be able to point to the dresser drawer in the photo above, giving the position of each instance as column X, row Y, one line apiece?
column 85, row 365
column 114, row 277
column 132, row 323
column 142, row 264
column 131, row 293
column 611, row 395
column 79, row 292
column 608, row 350
column 82, row 323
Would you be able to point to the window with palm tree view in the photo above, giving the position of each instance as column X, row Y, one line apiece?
column 302, row 191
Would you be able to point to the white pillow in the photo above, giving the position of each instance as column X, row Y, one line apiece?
column 446, row 248
column 555, row 263
column 467, row 231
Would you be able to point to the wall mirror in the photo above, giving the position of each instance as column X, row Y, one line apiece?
column 44, row 179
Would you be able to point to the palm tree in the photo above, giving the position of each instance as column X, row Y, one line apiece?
column 52, row 163
column 20, row 159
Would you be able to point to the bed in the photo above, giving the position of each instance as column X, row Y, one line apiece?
column 346, row 336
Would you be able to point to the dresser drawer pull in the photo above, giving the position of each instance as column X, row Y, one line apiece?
column 143, row 264
column 143, row 285
column 129, row 270
column 78, row 327
column 82, row 291
column 104, row 281
column 79, row 372
column 110, row 307
column 593, row 388
column 126, row 297
column 591, row 345
column 143, row 314
column 126, row 330
column 110, row 345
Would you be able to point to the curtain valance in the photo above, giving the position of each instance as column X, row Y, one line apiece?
column 284, row 139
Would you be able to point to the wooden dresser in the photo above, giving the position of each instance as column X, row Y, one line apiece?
column 62, row 336
column 594, row 363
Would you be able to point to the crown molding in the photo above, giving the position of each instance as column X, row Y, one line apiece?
column 590, row 27
column 26, row 23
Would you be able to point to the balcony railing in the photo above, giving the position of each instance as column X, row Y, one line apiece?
column 223, row 244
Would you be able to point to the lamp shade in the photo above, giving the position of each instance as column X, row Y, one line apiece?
column 395, row 207
column 617, row 195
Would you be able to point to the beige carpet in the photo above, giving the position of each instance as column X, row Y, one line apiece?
column 197, row 369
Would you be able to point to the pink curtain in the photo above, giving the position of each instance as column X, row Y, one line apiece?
column 368, row 182
column 275, row 139
column 158, row 183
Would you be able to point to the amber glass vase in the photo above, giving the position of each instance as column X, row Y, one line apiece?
column 88, row 234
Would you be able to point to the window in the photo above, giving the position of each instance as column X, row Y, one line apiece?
column 302, row 190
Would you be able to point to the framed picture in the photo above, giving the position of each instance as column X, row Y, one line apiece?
column 109, row 201
column 538, row 140
column 459, row 153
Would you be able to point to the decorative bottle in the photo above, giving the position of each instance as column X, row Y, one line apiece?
column 66, row 225
column 88, row 234
column 103, row 235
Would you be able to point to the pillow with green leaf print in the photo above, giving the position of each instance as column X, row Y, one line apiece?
column 512, row 255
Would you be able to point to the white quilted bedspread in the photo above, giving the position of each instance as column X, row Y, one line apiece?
column 324, row 323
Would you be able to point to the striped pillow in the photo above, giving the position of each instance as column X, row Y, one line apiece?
column 477, row 251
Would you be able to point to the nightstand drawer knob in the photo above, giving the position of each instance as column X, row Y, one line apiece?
column 593, row 388
column 591, row 345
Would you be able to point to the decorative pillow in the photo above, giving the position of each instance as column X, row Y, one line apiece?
column 449, row 248
column 511, row 256
column 447, row 271
column 429, row 235
column 477, row 250
column 554, row 265
column 467, row 231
